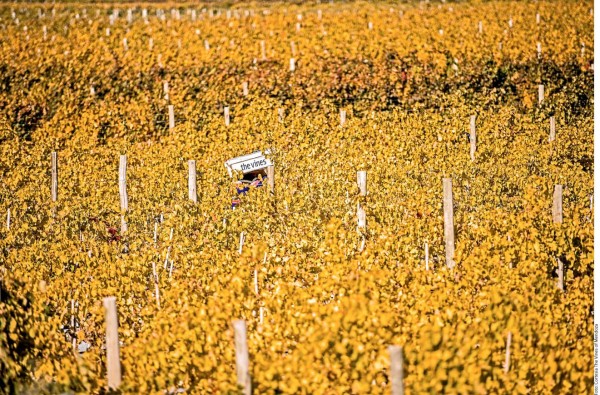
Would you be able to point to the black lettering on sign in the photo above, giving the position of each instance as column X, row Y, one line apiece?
column 254, row 165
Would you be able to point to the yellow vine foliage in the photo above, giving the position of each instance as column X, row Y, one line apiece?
column 409, row 77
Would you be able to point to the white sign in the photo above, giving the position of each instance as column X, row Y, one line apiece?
column 248, row 163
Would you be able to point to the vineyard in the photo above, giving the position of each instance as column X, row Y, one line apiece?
column 426, row 227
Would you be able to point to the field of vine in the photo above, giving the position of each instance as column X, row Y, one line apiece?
column 494, row 97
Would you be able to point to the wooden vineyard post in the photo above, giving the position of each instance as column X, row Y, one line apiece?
column 342, row 117
column 54, row 191
column 552, row 130
column 557, row 205
column 396, row 370
column 242, row 359
column 540, row 94
column 242, row 239
column 539, row 50
column 245, row 88
column 292, row 64
column 280, row 114
column 449, row 222
column 113, row 364
column 473, row 138
column 361, row 217
column 507, row 357
column 8, row 219
column 256, row 282
column 361, row 180
column 557, row 218
column 169, row 248
column 171, row 117
column 561, row 274
column 263, row 50
column 166, row 89
column 123, row 190
column 226, row 115
column 271, row 178
column 192, row 181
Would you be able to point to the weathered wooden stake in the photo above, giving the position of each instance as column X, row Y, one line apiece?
column 540, row 93
column 166, row 90
column 361, row 216
column 226, row 114
column 552, row 130
column 396, row 370
column 123, row 181
column 8, row 219
column 256, row 282
column 473, row 138
column 168, row 249
column 449, row 222
column 242, row 359
column 539, row 50
column 557, row 205
column 123, row 190
column 242, row 238
column 361, row 180
column 271, row 178
column 54, row 160
column 292, row 64
column 480, row 27
column 507, row 358
column 561, row 274
column 426, row 256
column 280, row 114
column 192, row 181
column 263, row 50
column 245, row 88
column 171, row 117
column 293, row 48
column 155, row 233
column 113, row 363
column 342, row 117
